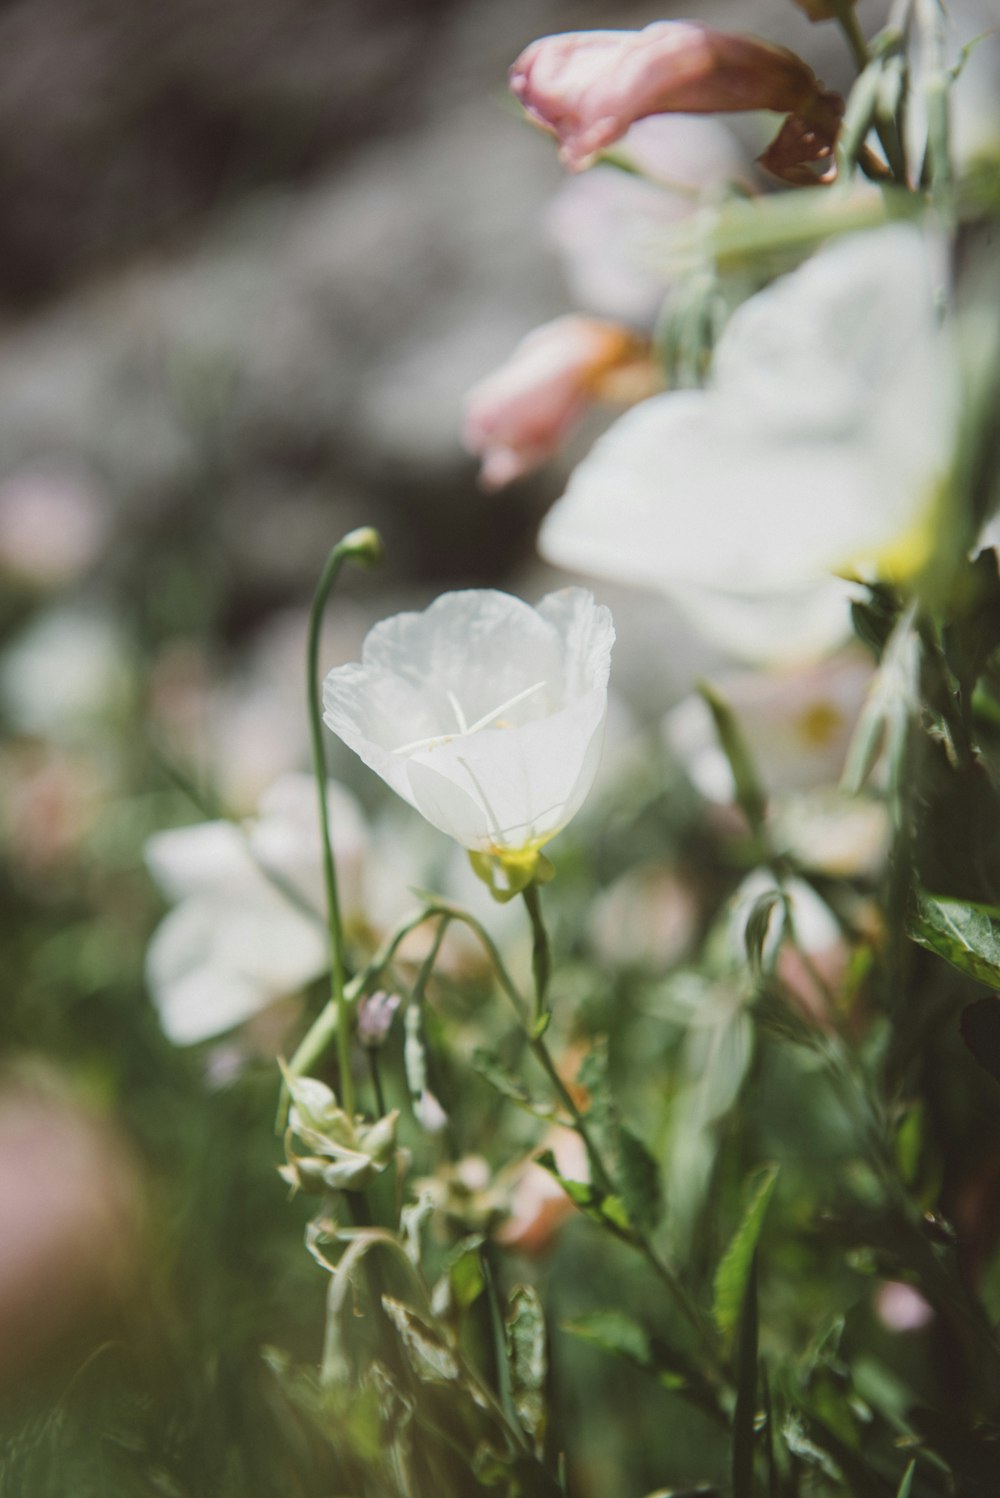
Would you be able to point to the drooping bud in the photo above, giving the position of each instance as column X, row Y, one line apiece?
column 588, row 87
column 375, row 1015
column 518, row 416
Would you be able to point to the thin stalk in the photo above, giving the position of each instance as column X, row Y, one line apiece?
column 541, row 954
column 602, row 1174
column 363, row 547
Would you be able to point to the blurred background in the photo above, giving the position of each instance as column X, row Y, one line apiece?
column 252, row 254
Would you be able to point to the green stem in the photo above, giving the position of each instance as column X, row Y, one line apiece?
column 363, row 547
column 541, row 954
column 602, row 1175
column 847, row 20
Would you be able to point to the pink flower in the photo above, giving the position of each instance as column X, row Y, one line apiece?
column 517, row 417
column 588, row 87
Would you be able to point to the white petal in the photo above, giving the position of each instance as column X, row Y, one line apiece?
column 483, row 713
column 508, row 788
column 205, row 857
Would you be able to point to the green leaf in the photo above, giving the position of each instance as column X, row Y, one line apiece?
column 749, row 791
column 734, row 1270
column 640, row 1181
column 612, row 1331
column 633, row 1169
column 606, row 1209
column 526, row 1352
column 906, row 1482
column 509, row 1086
column 967, row 936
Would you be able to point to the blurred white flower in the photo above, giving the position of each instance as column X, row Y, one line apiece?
column 248, row 927
column 485, row 714
column 819, row 447
column 605, row 223
column 796, row 724
column 64, row 675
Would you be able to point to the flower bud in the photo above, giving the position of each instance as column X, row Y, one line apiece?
column 588, row 87
column 518, row 416
column 376, row 1012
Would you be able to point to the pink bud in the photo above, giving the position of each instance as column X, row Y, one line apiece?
column 588, row 87
column 517, row 417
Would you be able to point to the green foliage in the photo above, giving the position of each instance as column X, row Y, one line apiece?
column 736, row 1266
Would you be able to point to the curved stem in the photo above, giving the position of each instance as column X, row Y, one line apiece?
column 364, row 548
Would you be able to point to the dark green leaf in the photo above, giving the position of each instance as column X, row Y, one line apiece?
column 967, row 936
column 640, row 1181
column 734, row 1270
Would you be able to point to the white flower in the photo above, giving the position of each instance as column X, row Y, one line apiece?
column 248, row 927
column 819, row 448
column 485, row 714
column 796, row 724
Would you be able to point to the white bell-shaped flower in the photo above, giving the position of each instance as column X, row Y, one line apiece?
column 819, row 448
column 485, row 714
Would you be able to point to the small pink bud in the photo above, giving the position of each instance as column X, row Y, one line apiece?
column 518, row 416
column 588, row 87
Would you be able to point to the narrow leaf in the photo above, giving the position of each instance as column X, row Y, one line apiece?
column 749, row 791
column 906, row 1483
column 734, row 1270
column 526, row 1351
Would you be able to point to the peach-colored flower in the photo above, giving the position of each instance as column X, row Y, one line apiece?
column 588, row 87
column 517, row 417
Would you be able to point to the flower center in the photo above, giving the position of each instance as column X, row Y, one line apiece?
column 464, row 728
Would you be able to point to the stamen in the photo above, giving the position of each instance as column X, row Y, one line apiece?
column 436, row 738
column 511, row 702
column 464, row 729
column 456, row 708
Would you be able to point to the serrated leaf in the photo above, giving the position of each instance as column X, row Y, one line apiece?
column 508, row 1085
column 526, row 1352
column 967, row 936
column 734, row 1269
